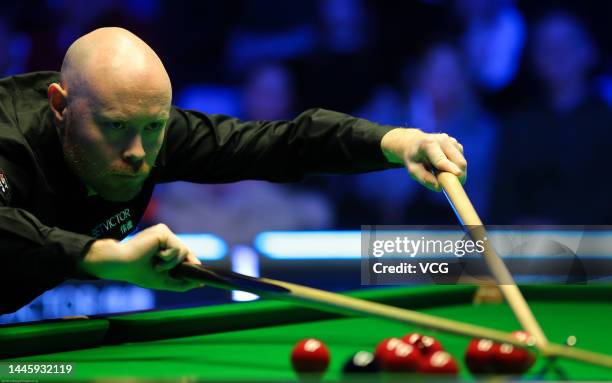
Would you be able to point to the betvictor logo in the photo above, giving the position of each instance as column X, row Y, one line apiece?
column 122, row 218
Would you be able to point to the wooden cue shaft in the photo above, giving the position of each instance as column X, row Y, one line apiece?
column 324, row 299
column 578, row 354
column 469, row 219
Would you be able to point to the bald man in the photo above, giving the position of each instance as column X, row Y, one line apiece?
column 81, row 151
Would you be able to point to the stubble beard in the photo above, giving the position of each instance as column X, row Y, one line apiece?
column 96, row 181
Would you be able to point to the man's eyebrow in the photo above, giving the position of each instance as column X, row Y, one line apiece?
column 112, row 116
column 109, row 115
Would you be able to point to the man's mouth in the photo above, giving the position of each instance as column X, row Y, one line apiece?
column 128, row 175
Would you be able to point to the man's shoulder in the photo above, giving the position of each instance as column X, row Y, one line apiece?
column 24, row 94
column 23, row 108
column 31, row 79
column 34, row 83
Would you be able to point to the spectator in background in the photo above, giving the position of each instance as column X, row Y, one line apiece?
column 342, row 70
column 71, row 19
column 237, row 212
column 442, row 99
column 65, row 20
column 212, row 98
column 270, row 30
column 269, row 93
column 15, row 49
column 493, row 40
column 566, row 131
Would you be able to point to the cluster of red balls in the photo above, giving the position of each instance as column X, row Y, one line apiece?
column 416, row 353
column 484, row 356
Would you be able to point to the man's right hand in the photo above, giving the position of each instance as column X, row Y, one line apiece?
column 144, row 260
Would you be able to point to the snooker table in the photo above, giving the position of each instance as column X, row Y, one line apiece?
column 252, row 341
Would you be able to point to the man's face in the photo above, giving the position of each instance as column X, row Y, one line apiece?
column 111, row 138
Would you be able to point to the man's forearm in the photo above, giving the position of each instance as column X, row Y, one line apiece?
column 34, row 257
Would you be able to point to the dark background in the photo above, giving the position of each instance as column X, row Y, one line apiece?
column 526, row 86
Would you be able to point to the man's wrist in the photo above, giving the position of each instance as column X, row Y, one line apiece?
column 395, row 142
column 93, row 261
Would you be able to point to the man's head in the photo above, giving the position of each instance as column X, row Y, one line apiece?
column 111, row 109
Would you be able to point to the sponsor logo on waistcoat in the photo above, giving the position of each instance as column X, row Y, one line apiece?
column 121, row 219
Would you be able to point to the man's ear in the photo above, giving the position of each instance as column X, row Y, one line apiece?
column 57, row 100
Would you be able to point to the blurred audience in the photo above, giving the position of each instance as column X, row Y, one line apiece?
column 339, row 73
column 556, row 147
column 15, row 48
column 270, row 30
column 237, row 212
column 63, row 21
column 269, row 93
column 493, row 40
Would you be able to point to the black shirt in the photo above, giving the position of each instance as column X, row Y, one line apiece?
column 47, row 219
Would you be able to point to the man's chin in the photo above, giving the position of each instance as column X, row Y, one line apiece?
column 123, row 194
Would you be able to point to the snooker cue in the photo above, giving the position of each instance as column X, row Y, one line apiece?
column 469, row 219
column 333, row 302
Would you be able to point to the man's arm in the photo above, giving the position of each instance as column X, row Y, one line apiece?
column 214, row 148
column 35, row 257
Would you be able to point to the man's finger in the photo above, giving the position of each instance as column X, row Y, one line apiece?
column 454, row 155
column 168, row 263
column 192, row 258
column 433, row 152
column 166, row 237
column 459, row 147
column 422, row 175
column 167, row 255
column 171, row 240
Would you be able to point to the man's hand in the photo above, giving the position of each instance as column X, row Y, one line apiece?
column 421, row 151
column 144, row 260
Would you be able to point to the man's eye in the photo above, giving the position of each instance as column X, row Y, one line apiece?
column 117, row 125
column 155, row 126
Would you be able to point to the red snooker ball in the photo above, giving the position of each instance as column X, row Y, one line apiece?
column 412, row 338
column 479, row 356
column 509, row 359
column 386, row 346
column 310, row 356
column 439, row 362
column 396, row 355
column 426, row 345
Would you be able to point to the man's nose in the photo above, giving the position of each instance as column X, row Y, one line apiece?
column 134, row 153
